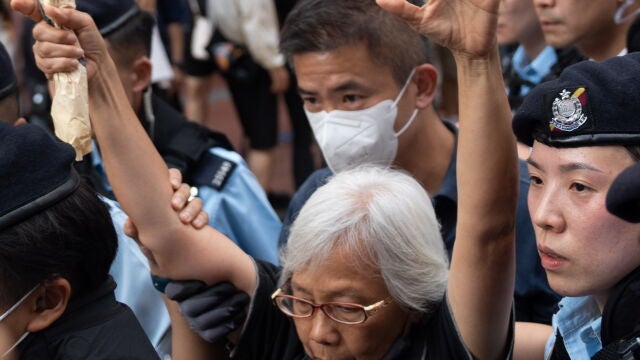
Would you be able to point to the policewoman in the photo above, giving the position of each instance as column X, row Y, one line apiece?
column 585, row 129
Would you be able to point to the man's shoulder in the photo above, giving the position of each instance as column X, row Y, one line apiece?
column 313, row 182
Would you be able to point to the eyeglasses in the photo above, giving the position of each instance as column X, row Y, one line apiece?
column 344, row 313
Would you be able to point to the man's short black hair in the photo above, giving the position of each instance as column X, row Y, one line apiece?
column 326, row 25
column 133, row 39
column 73, row 239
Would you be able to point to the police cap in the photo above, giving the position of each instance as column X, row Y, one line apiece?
column 35, row 172
column 589, row 104
column 109, row 15
column 7, row 74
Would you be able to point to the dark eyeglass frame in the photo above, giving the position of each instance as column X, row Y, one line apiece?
column 368, row 311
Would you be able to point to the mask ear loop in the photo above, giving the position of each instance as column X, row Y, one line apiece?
column 406, row 126
column 395, row 103
column 24, row 336
column 404, row 88
column 619, row 17
column 18, row 303
column 11, row 310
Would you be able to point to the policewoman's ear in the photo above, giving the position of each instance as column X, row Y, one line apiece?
column 426, row 78
column 49, row 304
column 141, row 74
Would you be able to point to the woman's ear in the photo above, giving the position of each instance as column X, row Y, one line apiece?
column 49, row 304
column 426, row 78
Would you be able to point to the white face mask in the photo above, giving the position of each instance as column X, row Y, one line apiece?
column 11, row 310
column 620, row 18
column 351, row 138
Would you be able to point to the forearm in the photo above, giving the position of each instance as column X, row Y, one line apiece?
column 484, row 254
column 139, row 179
column 487, row 185
column 185, row 343
column 136, row 171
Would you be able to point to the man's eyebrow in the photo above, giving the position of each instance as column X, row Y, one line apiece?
column 347, row 86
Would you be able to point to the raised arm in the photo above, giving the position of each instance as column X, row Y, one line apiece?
column 481, row 281
column 136, row 171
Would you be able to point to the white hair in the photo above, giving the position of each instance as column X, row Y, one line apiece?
column 381, row 217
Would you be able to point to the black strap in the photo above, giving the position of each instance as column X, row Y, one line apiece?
column 213, row 171
column 188, row 146
column 625, row 349
column 559, row 350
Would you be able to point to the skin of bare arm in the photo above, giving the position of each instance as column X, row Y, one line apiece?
column 481, row 280
column 139, row 182
column 185, row 344
column 531, row 339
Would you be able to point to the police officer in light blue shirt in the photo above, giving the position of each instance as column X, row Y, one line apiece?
column 234, row 200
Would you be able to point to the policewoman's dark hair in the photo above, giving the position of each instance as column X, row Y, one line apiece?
column 326, row 25
column 73, row 239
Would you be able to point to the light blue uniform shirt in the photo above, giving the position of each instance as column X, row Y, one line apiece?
column 240, row 210
column 533, row 71
column 578, row 320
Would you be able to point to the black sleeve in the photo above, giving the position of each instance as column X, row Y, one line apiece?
column 444, row 340
column 267, row 333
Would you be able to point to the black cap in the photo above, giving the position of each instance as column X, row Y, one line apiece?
column 109, row 15
column 589, row 104
column 623, row 198
column 7, row 74
column 35, row 172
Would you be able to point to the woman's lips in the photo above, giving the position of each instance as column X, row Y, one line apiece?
column 550, row 259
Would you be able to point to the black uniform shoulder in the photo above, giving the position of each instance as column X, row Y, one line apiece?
column 185, row 145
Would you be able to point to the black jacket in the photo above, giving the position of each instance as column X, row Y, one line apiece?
column 94, row 326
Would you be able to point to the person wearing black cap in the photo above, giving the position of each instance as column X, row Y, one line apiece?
column 585, row 130
column 57, row 243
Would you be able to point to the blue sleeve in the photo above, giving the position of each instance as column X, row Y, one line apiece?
column 130, row 270
column 315, row 180
column 242, row 212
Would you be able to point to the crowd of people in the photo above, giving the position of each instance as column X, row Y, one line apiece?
column 510, row 229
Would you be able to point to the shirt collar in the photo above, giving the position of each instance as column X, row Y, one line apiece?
column 579, row 321
column 537, row 69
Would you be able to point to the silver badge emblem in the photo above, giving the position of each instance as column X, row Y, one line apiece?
column 567, row 111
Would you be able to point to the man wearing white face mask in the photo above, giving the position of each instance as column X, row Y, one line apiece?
column 352, row 138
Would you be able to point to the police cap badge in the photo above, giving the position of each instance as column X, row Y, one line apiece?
column 589, row 104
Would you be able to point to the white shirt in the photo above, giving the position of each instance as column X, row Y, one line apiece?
column 252, row 23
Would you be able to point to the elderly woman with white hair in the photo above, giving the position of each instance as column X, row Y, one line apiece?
column 365, row 272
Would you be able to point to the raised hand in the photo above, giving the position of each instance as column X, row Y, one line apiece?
column 467, row 27
column 58, row 50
